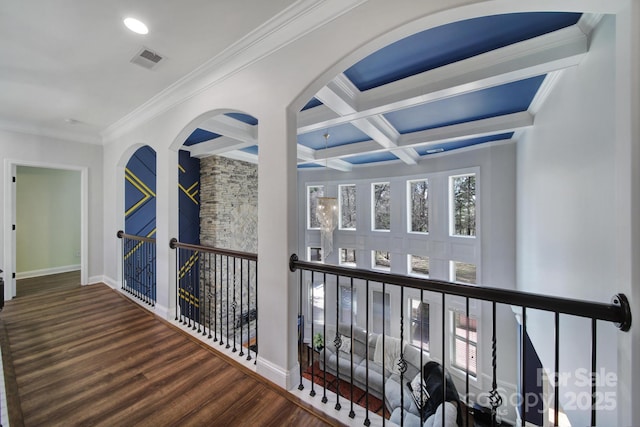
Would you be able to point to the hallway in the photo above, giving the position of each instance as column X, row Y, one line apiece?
column 89, row 356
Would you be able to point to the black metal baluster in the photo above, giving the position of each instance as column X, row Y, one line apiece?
column 402, row 365
column 367, row 421
column 324, row 337
column 594, row 326
column 234, row 306
column 523, row 362
column 338, row 343
column 301, row 328
column 242, row 312
column 208, row 290
column 227, row 304
column 215, row 297
column 494, row 396
column 256, row 350
column 352, row 413
column 556, row 379
column 467, row 359
column 177, row 280
column 444, row 352
column 384, row 341
column 313, row 300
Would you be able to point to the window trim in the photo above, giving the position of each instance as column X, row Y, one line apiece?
column 409, row 205
column 462, row 370
column 373, row 261
column 451, row 204
column 340, row 227
column 373, row 207
column 347, row 264
column 308, row 203
column 410, row 269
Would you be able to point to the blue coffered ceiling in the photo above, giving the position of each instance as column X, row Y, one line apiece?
column 458, row 85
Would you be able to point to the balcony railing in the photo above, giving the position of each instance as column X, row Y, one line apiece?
column 139, row 267
column 216, row 295
column 397, row 317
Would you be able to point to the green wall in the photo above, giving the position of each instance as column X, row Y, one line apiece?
column 47, row 221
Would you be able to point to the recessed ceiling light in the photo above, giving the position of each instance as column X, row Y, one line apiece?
column 136, row 26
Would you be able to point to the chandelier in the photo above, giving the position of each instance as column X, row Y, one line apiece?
column 327, row 215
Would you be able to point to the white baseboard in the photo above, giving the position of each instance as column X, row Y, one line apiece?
column 276, row 374
column 47, row 271
column 113, row 284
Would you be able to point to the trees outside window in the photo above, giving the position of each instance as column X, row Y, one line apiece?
column 463, row 195
column 381, row 206
column 418, row 201
column 313, row 192
column 347, row 206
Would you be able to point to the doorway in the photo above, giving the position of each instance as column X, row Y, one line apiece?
column 46, row 211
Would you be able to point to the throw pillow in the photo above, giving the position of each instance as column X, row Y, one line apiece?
column 418, row 391
column 346, row 344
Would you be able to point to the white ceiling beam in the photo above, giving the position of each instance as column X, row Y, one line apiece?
column 215, row 146
column 341, row 96
column 227, row 126
column 308, row 155
column 474, row 129
column 242, row 156
column 551, row 52
column 478, row 128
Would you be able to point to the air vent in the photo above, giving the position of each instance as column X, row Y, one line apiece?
column 147, row 58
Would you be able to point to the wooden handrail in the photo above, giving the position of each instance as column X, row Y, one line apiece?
column 122, row 235
column 173, row 244
column 619, row 311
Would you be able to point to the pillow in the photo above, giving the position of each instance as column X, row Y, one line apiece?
column 346, row 344
column 418, row 391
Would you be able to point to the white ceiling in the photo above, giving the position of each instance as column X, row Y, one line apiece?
column 70, row 59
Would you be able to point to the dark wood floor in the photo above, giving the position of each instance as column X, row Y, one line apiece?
column 89, row 356
column 53, row 282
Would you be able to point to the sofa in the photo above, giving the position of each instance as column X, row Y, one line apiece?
column 394, row 395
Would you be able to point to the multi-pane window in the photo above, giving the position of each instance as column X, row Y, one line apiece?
column 313, row 192
column 316, row 295
column 315, row 254
column 418, row 192
column 348, row 304
column 463, row 272
column 463, row 205
column 347, row 206
column 381, row 206
column 465, row 342
column 419, row 324
column 380, row 314
column 348, row 257
column 381, row 260
column 419, row 265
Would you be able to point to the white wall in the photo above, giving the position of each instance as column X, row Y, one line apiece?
column 47, row 221
column 567, row 210
column 493, row 250
column 34, row 150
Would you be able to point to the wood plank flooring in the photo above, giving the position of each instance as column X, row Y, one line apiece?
column 53, row 282
column 89, row 356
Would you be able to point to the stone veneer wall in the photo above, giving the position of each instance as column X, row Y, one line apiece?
column 229, row 220
column 229, row 204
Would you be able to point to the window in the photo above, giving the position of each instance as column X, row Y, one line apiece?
column 381, row 260
column 418, row 208
column 464, row 348
column 380, row 303
column 347, row 206
column 419, row 265
column 381, row 206
column 419, row 324
column 348, row 302
column 463, row 272
column 313, row 192
column 463, row 205
column 348, row 257
column 316, row 297
column 314, row 254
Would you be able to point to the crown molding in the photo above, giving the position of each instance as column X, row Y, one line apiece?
column 299, row 19
column 49, row 132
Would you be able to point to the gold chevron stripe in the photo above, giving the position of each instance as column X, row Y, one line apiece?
column 187, row 193
column 188, row 265
column 137, row 183
column 181, row 169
